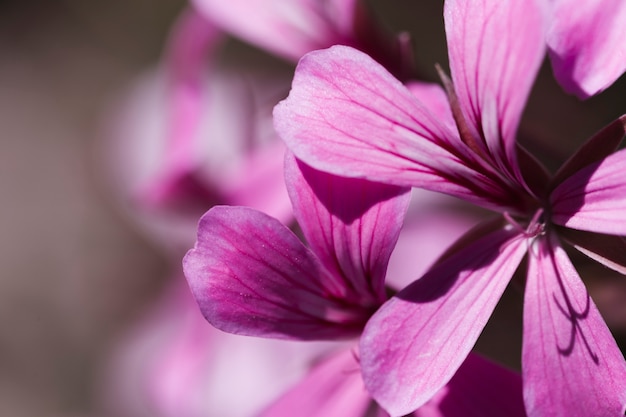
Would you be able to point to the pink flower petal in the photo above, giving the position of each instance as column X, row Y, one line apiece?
column 416, row 342
column 495, row 49
column 347, row 115
column 479, row 388
column 586, row 41
column 352, row 225
column 333, row 388
column 594, row 199
column 251, row 275
column 289, row 28
column 571, row 363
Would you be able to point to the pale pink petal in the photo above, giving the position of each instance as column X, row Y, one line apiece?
column 259, row 182
column 333, row 388
column 352, row 225
column 251, row 275
column 586, row 42
column 289, row 28
column 571, row 363
column 480, row 388
column 594, row 199
column 495, row 49
column 416, row 342
column 192, row 39
column 172, row 363
column 347, row 115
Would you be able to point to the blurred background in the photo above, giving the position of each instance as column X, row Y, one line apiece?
column 73, row 271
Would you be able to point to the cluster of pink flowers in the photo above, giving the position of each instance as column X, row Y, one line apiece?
column 352, row 162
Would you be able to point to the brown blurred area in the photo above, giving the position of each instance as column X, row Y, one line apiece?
column 72, row 271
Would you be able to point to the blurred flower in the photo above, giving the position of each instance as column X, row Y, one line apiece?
column 347, row 115
column 586, row 44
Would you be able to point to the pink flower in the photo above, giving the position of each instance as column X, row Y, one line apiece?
column 347, row 115
column 172, row 363
column 586, row 44
column 251, row 275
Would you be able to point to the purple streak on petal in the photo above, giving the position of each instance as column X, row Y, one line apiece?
column 352, row 225
column 571, row 363
column 289, row 28
column 347, row 115
column 333, row 388
column 191, row 41
column 598, row 147
column 609, row 250
column 251, row 275
column 416, row 342
column 586, row 42
column 495, row 49
column 594, row 199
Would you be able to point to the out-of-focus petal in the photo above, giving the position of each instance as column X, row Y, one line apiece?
column 251, row 275
column 586, row 44
column 571, row 363
column 333, row 388
column 416, row 342
column 172, row 363
column 495, row 49
column 594, row 199
column 347, row 115
column 479, row 388
column 289, row 28
column 352, row 225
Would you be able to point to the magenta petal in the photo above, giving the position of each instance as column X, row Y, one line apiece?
column 347, row 115
column 594, row 199
column 416, row 342
column 333, row 388
column 495, row 49
column 352, row 225
column 586, row 41
column 251, row 275
column 571, row 363
column 609, row 250
column 480, row 388
column 289, row 28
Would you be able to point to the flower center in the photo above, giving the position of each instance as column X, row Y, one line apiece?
column 535, row 227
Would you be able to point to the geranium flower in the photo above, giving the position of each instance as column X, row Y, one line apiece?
column 586, row 44
column 252, row 276
column 347, row 115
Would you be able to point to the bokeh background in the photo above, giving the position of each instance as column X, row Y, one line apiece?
column 74, row 272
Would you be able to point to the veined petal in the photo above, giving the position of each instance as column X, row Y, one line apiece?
column 333, row 388
column 251, row 275
column 347, row 115
column 571, row 363
column 352, row 226
column 416, row 341
column 594, row 199
column 289, row 28
column 495, row 49
column 586, row 42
